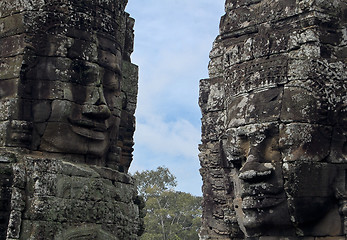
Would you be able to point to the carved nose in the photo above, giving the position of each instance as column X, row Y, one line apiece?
column 96, row 107
column 255, row 170
column 99, row 112
column 97, row 96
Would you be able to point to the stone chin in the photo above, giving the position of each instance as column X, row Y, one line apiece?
column 260, row 203
column 265, row 219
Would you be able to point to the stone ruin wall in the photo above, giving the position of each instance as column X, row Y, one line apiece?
column 278, row 49
column 54, row 193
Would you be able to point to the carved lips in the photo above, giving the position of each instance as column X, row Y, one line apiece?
column 261, row 195
column 260, row 189
column 89, row 129
column 261, row 201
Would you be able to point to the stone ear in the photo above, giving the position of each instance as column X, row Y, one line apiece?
column 227, row 153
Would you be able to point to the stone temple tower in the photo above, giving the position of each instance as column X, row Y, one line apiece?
column 68, row 93
column 274, row 122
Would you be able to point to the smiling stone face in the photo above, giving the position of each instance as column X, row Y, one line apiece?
column 274, row 166
column 82, row 91
column 67, row 103
column 260, row 199
column 77, row 89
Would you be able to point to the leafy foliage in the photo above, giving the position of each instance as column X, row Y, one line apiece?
column 154, row 182
column 171, row 215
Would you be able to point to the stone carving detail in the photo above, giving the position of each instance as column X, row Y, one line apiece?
column 68, row 94
column 273, row 153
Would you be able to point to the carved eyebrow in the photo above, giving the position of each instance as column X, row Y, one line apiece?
column 247, row 132
column 250, row 129
column 256, row 133
column 242, row 135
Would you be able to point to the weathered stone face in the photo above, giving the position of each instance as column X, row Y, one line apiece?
column 68, row 95
column 275, row 168
column 273, row 152
column 78, row 95
column 70, row 66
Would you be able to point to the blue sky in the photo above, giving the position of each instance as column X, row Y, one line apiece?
column 172, row 43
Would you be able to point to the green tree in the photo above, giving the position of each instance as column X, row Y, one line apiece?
column 154, row 182
column 171, row 215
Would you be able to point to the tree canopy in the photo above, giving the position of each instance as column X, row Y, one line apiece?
column 170, row 214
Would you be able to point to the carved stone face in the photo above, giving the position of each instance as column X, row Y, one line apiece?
column 282, row 177
column 260, row 199
column 77, row 86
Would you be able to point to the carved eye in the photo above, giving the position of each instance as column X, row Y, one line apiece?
column 84, row 73
column 235, row 157
column 259, row 138
column 242, row 137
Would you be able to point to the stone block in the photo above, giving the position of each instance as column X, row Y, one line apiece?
column 10, row 67
column 9, row 109
column 77, row 170
column 12, row 45
column 212, row 100
column 212, row 126
column 19, row 179
column 215, row 67
column 45, row 90
column 129, row 85
column 256, row 75
column 309, row 179
column 17, row 199
column 113, row 175
column 40, row 229
column 14, row 225
column 253, row 12
column 330, row 238
column 248, row 109
column 4, row 125
column 11, row 25
column 9, row 7
column 83, row 50
column 51, row 69
column 41, row 111
column 9, row 89
column 283, row 238
column 304, row 142
column 299, row 105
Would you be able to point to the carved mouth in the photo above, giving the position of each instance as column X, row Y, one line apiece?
column 261, row 201
column 89, row 129
column 261, row 195
column 261, row 189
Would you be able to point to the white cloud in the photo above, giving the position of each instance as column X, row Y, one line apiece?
column 178, row 138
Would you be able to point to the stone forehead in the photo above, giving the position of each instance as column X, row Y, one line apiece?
column 40, row 17
column 290, row 134
column 21, row 5
column 285, row 104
